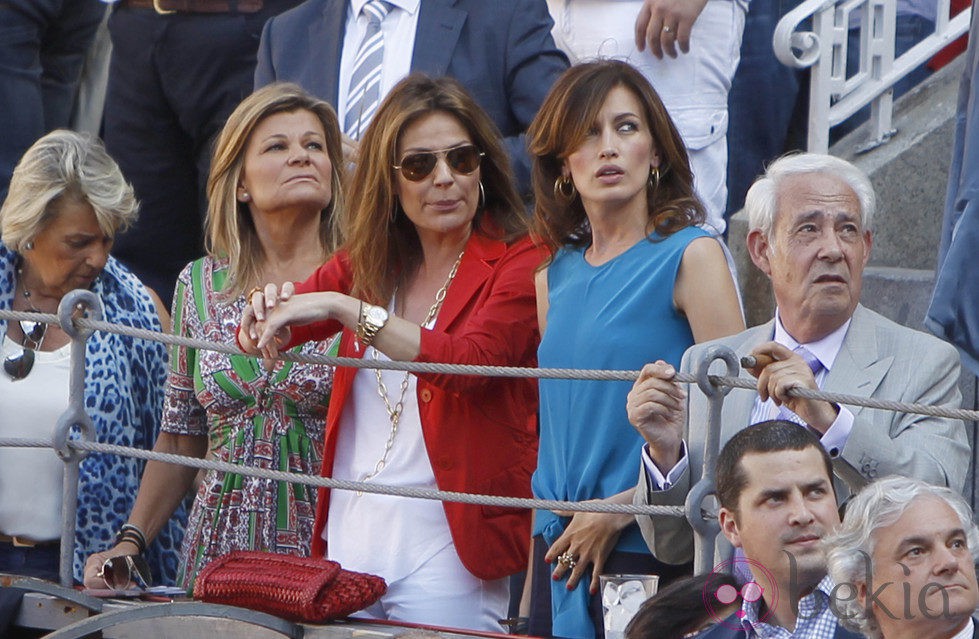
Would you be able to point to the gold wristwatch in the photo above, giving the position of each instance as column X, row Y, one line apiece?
column 372, row 320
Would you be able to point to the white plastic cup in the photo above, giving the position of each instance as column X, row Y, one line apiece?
column 622, row 595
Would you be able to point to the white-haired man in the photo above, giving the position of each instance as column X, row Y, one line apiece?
column 810, row 217
column 904, row 563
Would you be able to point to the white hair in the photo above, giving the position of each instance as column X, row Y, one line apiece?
column 64, row 165
column 762, row 198
column 850, row 549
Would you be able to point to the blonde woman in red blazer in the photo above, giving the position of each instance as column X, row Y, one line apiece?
column 436, row 266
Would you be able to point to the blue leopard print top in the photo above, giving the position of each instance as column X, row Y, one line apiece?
column 124, row 379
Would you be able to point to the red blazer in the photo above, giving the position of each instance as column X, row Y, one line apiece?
column 480, row 432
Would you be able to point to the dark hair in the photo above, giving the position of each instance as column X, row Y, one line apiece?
column 562, row 125
column 681, row 608
column 764, row 437
column 380, row 239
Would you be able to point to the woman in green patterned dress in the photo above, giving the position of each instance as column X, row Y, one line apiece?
column 273, row 189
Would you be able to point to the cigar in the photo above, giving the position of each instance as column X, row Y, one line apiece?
column 759, row 361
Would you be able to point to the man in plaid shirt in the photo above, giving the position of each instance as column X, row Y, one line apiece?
column 775, row 486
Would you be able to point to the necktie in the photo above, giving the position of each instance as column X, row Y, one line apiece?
column 815, row 366
column 364, row 95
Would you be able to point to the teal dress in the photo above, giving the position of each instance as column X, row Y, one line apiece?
column 616, row 316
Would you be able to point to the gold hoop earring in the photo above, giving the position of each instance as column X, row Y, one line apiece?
column 653, row 180
column 564, row 188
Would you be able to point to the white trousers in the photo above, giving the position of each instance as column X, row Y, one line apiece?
column 442, row 592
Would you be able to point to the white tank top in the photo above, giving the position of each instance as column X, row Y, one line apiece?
column 31, row 478
column 383, row 534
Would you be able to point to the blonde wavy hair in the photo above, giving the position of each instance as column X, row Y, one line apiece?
column 230, row 229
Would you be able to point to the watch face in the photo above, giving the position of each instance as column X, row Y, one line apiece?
column 377, row 315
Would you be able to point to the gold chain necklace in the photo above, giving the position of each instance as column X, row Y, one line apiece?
column 394, row 413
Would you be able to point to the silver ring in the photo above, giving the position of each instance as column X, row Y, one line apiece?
column 667, row 28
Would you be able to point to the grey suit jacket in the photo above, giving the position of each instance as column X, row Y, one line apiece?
column 500, row 50
column 878, row 358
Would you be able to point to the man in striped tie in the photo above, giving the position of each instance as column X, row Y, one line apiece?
column 364, row 94
column 810, row 217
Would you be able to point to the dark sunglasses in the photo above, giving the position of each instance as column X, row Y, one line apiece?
column 461, row 159
column 20, row 365
column 119, row 572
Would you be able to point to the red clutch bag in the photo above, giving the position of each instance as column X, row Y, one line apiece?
column 294, row 588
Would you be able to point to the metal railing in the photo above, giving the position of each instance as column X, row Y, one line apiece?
column 79, row 315
column 835, row 92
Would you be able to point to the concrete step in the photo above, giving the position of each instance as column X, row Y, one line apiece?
column 910, row 172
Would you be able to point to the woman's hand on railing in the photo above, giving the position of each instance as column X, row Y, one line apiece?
column 254, row 335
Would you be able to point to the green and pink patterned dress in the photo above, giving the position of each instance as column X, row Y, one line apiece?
column 252, row 417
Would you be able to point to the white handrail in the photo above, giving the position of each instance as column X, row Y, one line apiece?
column 834, row 97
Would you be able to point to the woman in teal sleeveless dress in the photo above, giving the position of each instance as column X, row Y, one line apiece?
column 631, row 280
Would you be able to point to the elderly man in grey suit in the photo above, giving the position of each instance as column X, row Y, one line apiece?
column 810, row 217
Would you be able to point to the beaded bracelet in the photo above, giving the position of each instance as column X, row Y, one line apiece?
column 133, row 539
column 132, row 534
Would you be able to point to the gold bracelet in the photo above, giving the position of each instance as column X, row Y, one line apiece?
column 359, row 331
column 251, row 293
column 372, row 320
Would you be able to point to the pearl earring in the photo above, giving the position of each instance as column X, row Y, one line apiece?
column 29, row 246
